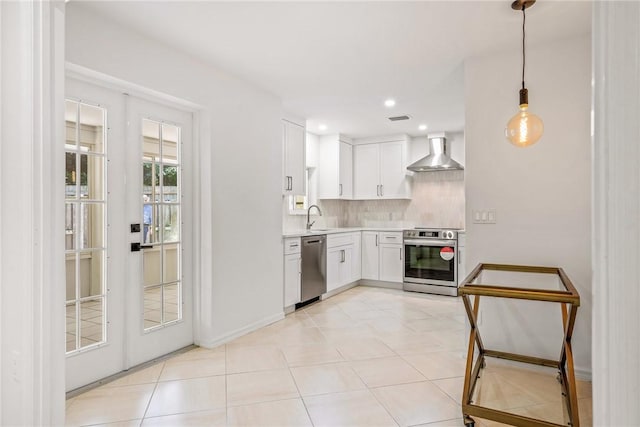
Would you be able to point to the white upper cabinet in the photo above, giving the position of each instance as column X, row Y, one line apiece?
column 345, row 186
column 335, row 168
column 366, row 177
column 380, row 170
column 293, row 135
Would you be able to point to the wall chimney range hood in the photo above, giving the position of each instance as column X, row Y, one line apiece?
column 438, row 158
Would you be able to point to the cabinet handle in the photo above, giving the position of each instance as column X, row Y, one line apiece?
column 299, row 265
column 340, row 189
column 400, row 254
column 378, row 190
column 459, row 256
column 342, row 255
column 290, row 183
column 376, row 240
column 381, row 190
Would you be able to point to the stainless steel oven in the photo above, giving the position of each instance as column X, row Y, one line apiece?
column 430, row 261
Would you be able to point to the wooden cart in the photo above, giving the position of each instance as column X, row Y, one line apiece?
column 569, row 301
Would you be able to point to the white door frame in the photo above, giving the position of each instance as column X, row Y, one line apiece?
column 616, row 213
column 32, row 353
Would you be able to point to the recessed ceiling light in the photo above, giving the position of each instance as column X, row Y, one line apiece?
column 390, row 103
column 422, row 127
column 322, row 127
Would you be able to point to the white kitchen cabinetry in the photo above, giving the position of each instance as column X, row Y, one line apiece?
column 292, row 271
column 382, row 257
column 370, row 257
column 391, row 263
column 342, row 253
column 293, row 136
column 379, row 171
column 335, row 168
column 462, row 256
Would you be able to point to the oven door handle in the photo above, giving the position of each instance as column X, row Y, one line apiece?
column 426, row 242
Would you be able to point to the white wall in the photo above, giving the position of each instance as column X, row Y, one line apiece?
column 239, row 219
column 541, row 194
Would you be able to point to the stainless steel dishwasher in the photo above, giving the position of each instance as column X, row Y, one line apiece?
column 314, row 267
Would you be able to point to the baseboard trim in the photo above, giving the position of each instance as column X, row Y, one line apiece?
column 582, row 374
column 211, row 343
column 380, row 284
column 338, row 290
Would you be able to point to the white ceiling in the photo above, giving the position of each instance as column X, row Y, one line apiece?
column 336, row 62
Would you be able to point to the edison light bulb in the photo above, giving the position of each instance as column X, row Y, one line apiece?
column 524, row 128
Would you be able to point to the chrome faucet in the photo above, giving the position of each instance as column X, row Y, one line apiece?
column 309, row 224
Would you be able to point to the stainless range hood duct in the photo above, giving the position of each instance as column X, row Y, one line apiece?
column 438, row 159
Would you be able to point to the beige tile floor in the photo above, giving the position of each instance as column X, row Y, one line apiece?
column 366, row 357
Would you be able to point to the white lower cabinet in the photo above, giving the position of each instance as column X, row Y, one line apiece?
column 370, row 257
column 391, row 263
column 462, row 256
column 291, row 279
column 343, row 254
column 292, row 271
column 382, row 257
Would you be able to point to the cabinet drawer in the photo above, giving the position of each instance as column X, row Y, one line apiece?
column 292, row 245
column 340, row 239
column 391, row 237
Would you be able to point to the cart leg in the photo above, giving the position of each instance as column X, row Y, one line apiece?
column 468, row 421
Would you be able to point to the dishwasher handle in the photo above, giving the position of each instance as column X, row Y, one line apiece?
column 313, row 241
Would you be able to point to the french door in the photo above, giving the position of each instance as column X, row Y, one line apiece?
column 128, row 228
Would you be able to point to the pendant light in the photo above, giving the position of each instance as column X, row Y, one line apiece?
column 525, row 128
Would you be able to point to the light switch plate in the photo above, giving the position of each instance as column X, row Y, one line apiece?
column 484, row 216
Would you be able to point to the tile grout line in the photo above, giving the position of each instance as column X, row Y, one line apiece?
column 155, row 387
column 298, row 388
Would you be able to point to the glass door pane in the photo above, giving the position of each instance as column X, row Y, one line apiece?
column 161, row 208
column 85, row 225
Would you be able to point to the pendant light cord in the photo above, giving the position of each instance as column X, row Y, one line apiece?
column 523, row 55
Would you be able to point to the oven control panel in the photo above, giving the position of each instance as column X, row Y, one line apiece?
column 431, row 234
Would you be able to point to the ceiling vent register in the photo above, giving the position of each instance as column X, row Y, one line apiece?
column 398, row 118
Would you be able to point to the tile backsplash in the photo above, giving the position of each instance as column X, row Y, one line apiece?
column 437, row 201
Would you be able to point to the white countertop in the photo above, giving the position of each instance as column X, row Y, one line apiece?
column 312, row 232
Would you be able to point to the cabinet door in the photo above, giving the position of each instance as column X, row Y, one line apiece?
column 291, row 279
column 346, row 171
column 346, row 265
column 356, row 265
column 393, row 171
column 366, row 171
column 370, row 260
column 294, row 159
column 391, row 263
column 334, row 261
